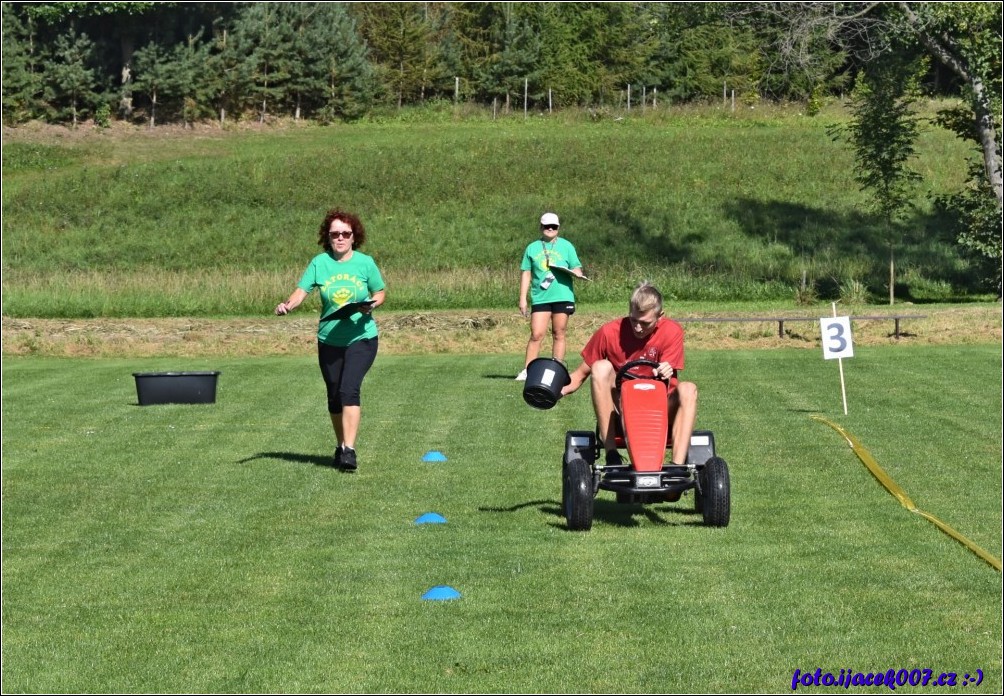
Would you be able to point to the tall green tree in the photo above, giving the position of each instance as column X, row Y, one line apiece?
column 883, row 132
column 268, row 30
column 190, row 59
column 801, row 49
column 967, row 39
column 70, row 79
column 22, row 77
column 474, row 44
column 593, row 51
column 226, row 77
column 307, row 73
column 167, row 76
column 445, row 58
column 399, row 37
column 155, row 75
column 708, row 57
column 565, row 66
column 330, row 76
column 347, row 77
column 510, row 70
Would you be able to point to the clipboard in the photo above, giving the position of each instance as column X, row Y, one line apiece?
column 567, row 271
column 347, row 310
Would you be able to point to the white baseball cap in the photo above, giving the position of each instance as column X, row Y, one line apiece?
column 549, row 219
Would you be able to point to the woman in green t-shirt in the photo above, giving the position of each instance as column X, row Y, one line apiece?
column 548, row 265
column 351, row 287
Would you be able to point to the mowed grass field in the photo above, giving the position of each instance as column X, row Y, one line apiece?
column 210, row 549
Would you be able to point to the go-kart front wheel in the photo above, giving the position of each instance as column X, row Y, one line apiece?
column 715, row 499
column 577, row 495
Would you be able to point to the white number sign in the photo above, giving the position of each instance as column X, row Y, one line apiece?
column 837, row 341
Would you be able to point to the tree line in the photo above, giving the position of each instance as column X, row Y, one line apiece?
column 179, row 62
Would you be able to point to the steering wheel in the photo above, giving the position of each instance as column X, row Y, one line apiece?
column 625, row 372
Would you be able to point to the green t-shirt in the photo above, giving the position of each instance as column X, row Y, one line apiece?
column 341, row 282
column 538, row 258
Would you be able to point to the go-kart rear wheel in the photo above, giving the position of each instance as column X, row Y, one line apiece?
column 577, row 495
column 715, row 498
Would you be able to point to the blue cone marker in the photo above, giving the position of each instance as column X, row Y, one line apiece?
column 440, row 592
column 430, row 518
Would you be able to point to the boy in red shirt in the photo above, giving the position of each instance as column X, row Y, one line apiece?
column 645, row 334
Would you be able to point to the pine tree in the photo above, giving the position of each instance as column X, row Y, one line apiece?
column 266, row 28
column 155, row 75
column 70, row 80
column 399, row 40
column 227, row 75
column 306, row 81
column 190, row 59
column 349, row 81
column 518, row 63
column 472, row 28
column 22, row 79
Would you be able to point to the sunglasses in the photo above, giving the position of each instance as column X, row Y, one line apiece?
column 340, row 235
column 549, row 227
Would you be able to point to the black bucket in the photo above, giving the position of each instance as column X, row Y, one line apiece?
column 175, row 387
column 544, row 379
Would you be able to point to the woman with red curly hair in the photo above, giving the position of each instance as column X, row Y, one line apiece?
column 351, row 287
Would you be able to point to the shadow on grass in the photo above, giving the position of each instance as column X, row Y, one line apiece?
column 293, row 457
column 926, row 242
column 544, row 505
column 511, row 378
column 630, row 514
column 610, row 512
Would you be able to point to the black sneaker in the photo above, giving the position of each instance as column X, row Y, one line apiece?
column 336, row 461
column 614, row 458
column 349, row 459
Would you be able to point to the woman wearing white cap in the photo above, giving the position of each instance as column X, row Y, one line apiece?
column 548, row 265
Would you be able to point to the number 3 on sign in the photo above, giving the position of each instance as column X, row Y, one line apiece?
column 837, row 341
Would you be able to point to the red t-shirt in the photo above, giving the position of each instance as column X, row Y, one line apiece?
column 616, row 342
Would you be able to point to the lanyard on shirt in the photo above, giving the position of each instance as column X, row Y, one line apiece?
column 547, row 258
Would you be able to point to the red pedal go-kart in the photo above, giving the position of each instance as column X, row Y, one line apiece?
column 644, row 431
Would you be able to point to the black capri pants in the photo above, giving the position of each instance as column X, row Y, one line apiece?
column 343, row 369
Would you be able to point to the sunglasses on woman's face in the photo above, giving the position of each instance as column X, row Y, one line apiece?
column 340, row 235
column 549, row 227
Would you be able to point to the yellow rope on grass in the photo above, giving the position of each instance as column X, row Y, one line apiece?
column 879, row 473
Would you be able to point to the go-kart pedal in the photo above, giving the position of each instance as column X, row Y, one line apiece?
column 613, row 458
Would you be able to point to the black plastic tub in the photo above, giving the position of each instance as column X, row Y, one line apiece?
column 544, row 379
column 176, row 387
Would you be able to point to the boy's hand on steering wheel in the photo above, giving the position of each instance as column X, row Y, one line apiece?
column 664, row 371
